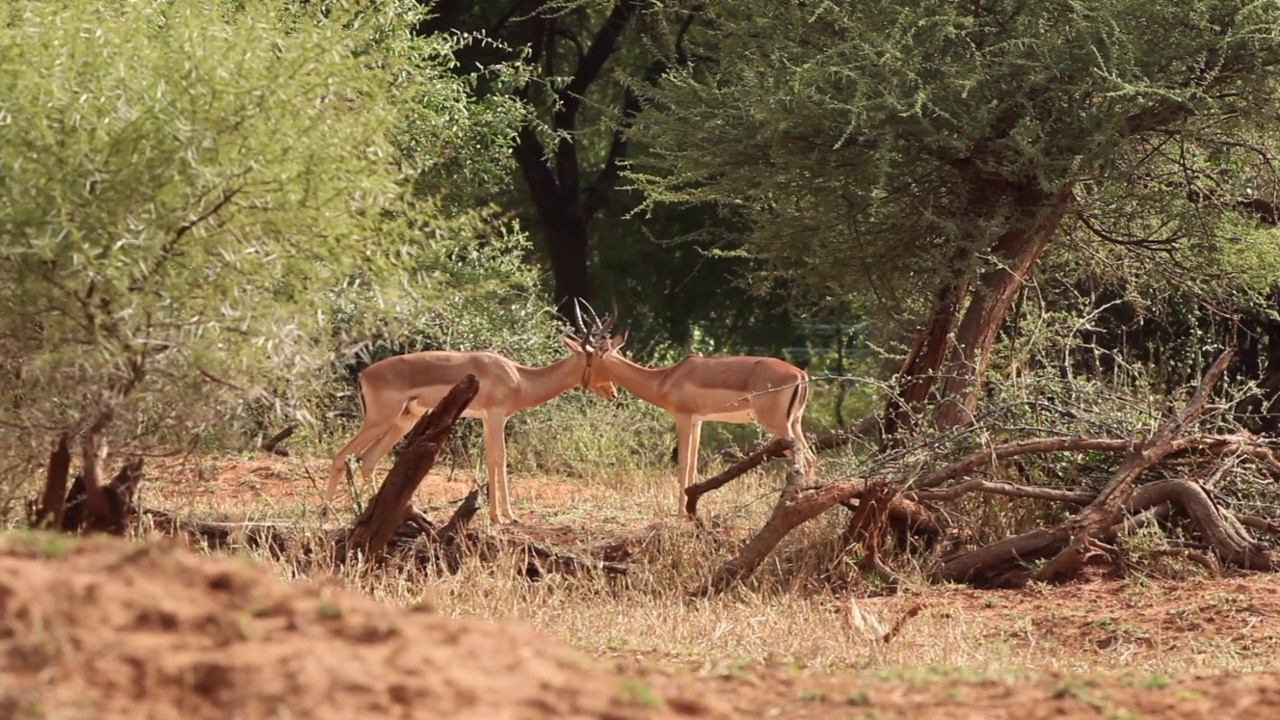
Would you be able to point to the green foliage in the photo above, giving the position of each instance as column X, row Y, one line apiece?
column 869, row 146
column 191, row 190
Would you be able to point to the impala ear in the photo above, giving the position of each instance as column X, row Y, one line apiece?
column 617, row 341
column 572, row 343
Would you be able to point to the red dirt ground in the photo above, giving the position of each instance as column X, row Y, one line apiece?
column 1133, row 626
column 107, row 629
column 267, row 481
column 106, row 626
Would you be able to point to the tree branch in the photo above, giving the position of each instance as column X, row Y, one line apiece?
column 1079, row 497
column 776, row 448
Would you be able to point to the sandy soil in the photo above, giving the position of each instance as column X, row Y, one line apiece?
column 106, row 629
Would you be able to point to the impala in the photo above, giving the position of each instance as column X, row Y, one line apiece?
column 398, row 390
column 736, row 389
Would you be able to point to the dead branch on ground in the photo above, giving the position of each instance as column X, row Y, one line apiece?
column 1063, row 547
column 775, row 449
column 387, row 511
column 272, row 444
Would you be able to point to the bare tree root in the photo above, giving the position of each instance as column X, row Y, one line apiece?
column 868, row 525
column 796, row 506
column 53, row 501
column 1227, row 538
column 72, row 512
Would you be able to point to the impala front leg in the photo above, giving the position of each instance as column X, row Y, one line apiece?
column 688, row 431
column 495, row 453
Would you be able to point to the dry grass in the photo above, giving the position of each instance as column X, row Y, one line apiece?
column 782, row 619
column 787, row 644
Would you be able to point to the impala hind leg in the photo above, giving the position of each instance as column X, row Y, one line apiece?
column 366, row 437
column 380, row 447
column 803, row 455
column 799, row 453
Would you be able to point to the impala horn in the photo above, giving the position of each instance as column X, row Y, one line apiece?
column 613, row 317
column 577, row 320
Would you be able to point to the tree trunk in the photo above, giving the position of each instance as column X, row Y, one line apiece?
column 569, row 251
column 945, row 367
column 915, row 379
column 554, row 179
column 990, row 299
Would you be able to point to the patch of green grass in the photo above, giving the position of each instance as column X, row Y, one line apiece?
column 637, row 691
column 858, row 697
column 1073, row 689
column 330, row 610
column 40, row 543
column 1152, row 682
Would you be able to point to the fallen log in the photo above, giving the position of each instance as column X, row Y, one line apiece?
column 1104, row 511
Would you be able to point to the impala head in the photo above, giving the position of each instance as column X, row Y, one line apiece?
column 597, row 346
column 587, row 353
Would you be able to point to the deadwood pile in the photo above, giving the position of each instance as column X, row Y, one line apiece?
column 1164, row 481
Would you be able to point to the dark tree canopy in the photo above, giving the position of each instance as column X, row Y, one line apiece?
column 923, row 156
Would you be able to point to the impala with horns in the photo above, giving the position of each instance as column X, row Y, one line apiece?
column 736, row 389
column 398, row 390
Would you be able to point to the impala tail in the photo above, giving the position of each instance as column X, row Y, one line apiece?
column 799, row 397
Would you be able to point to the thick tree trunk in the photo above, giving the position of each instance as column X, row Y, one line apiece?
column 990, row 299
column 915, row 379
column 952, row 353
column 555, row 179
column 569, row 251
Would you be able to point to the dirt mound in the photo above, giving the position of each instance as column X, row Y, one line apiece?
column 106, row 629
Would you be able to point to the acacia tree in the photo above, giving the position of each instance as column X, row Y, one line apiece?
column 190, row 188
column 924, row 156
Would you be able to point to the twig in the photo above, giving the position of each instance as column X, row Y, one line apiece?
column 274, row 440
column 897, row 626
column 1079, row 497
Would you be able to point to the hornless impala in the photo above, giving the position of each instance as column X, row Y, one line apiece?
column 398, row 390
column 736, row 389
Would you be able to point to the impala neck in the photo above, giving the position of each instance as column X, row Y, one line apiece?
column 641, row 381
column 540, row 384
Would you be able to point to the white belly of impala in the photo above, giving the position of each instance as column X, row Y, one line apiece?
column 736, row 416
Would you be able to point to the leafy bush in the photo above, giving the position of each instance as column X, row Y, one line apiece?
column 195, row 194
